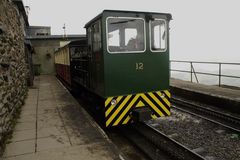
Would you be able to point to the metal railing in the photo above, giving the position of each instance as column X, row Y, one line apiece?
column 194, row 73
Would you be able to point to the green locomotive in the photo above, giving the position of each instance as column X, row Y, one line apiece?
column 126, row 65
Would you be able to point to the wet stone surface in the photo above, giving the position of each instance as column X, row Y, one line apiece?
column 209, row 140
column 53, row 125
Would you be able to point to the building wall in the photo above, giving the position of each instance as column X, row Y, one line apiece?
column 13, row 87
column 44, row 55
column 39, row 30
column 44, row 52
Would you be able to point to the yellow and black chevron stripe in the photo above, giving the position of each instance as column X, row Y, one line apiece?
column 118, row 109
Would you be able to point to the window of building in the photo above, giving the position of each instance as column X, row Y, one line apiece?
column 158, row 29
column 42, row 34
column 125, row 35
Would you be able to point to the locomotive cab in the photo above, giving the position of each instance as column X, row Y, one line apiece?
column 129, row 63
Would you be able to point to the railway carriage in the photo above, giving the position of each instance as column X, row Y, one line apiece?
column 65, row 59
column 125, row 65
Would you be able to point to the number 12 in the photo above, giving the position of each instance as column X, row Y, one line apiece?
column 139, row 66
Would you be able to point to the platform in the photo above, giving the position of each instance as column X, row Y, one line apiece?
column 53, row 126
column 225, row 98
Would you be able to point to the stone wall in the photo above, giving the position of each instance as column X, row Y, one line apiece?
column 13, row 88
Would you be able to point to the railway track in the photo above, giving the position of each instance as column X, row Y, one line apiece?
column 156, row 145
column 208, row 113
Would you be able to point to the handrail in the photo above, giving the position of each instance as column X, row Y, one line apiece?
column 207, row 62
column 194, row 72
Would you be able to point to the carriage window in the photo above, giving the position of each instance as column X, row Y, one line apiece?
column 96, row 37
column 125, row 35
column 78, row 52
column 89, row 36
column 158, row 35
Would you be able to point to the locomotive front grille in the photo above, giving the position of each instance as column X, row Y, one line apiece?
column 118, row 110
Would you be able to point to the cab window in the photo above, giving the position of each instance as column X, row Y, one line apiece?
column 158, row 29
column 125, row 35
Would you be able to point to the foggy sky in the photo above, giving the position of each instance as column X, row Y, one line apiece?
column 206, row 30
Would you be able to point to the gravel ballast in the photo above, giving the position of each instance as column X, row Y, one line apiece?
column 206, row 138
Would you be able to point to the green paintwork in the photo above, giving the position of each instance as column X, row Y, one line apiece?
column 116, row 74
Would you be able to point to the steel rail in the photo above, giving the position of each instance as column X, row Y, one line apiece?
column 163, row 143
column 226, row 120
column 143, row 144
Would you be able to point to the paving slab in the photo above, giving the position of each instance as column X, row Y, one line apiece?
column 28, row 112
column 53, row 126
column 46, row 121
column 27, row 118
column 30, row 103
column 50, row 131
column 24, row 135
column 52, row 142
column 22, row 126
column 20, row 148
column 47, row 104
column 29, row 156
column 96, row 151
column 28, row 107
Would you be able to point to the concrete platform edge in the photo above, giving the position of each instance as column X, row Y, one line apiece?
column 209, row 99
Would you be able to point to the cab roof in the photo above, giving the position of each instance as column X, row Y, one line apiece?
column 168, row 15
